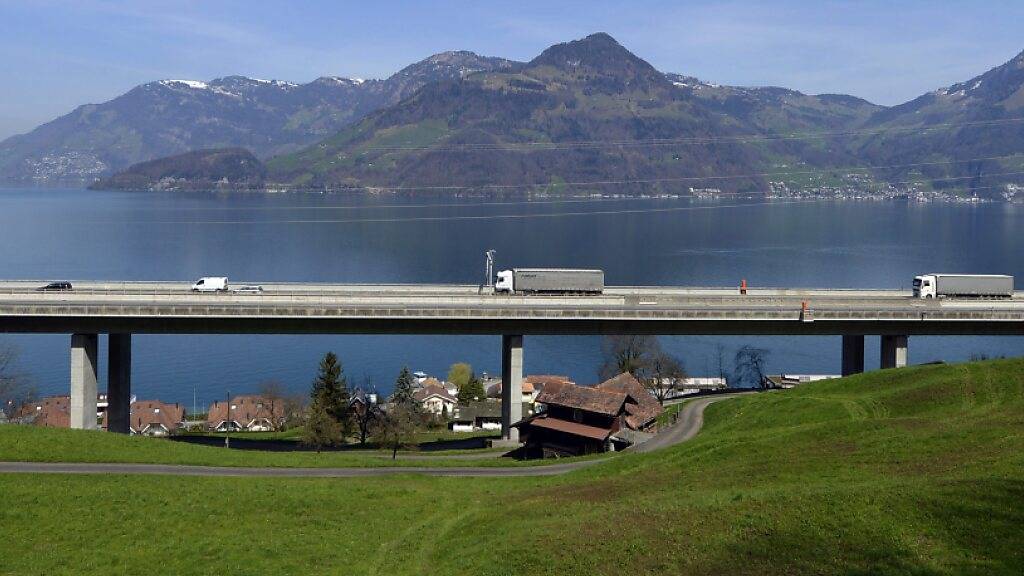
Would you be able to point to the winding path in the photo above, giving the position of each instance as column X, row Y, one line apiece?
column 691, row 418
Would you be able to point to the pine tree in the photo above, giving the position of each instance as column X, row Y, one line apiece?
column 330, row 391
column 402, row 395
column 321, row 429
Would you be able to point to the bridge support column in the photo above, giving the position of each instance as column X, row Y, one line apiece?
column 511, row 386
column 119, row 382
column 83, row 381
column 853, row 354
column 894, row 352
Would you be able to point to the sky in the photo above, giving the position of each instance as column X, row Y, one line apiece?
column 56, row 55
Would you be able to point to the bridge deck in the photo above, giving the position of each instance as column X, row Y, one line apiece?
column 164, row 307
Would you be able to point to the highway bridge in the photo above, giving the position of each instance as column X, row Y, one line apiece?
column 121, row 309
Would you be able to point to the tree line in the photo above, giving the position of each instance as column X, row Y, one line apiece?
column 333, row 418
column 662, row 373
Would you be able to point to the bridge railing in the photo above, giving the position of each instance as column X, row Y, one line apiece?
column 517, row 313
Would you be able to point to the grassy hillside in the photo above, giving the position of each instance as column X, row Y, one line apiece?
column 30, row 444
column 912, row 471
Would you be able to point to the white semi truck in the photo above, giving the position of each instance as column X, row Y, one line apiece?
column 963, row 285
column 549, row 281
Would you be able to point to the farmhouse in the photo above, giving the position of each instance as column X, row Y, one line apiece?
column 575, row 420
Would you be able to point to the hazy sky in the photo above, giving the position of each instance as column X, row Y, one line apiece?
column 57, row 55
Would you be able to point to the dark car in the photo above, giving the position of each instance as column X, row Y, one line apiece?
column 55, row 287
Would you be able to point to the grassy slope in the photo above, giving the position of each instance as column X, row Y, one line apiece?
column 917, row 471
column 29, row 444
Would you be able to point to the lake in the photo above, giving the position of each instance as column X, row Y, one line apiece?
column 88, row 235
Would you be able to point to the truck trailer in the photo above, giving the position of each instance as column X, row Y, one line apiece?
column 549, row 281
column 963, row 285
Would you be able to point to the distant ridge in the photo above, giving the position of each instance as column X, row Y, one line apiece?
column 172, row 116
column 475, row 131
column 579, row 112
column 218, row 169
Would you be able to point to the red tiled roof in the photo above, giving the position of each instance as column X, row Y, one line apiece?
column 647, row 407
column 585, row 398
column 50, row 412
column 554, row 386
column 539, row 381
column 146, row 413
column 574, row 428
column 245, row 410
column 433, row 390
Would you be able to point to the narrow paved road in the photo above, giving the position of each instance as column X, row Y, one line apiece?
column 691, row 418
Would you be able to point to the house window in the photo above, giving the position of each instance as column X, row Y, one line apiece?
column 577, row 415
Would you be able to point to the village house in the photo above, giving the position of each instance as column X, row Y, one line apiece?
column 435, row 399
column 532, row 386
column 573, row 420
column 480, row 415
column 246, row 413
column 360, row 401
column 428, row 381
column 55, row 411
column 153, row 418
column 50, row 412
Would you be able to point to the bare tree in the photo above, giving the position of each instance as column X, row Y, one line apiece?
column 396, row 429
column 274, row 394
column 294, row 410
column 365, row 413
column 631, row 354
column 749, row 368
column 14, row 388
column 666, row 375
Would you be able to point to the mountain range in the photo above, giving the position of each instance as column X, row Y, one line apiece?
column 583, row 111
column 169, row 117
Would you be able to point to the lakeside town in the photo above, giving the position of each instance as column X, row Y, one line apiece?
column 559, row 416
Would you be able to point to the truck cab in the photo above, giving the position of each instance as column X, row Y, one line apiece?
column 211, row 284
column 924, row 286
column 504, row 282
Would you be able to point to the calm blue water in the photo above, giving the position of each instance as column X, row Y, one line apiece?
column 78, row 234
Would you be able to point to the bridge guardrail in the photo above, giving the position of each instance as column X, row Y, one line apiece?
column 517, row 313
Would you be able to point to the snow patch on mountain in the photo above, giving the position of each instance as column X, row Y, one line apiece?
column 195, row 84
column 280, row 83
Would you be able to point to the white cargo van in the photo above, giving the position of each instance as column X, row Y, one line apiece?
column 211, row 284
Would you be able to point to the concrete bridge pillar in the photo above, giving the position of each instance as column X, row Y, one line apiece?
column 119, row 382
column 853, row 354
column 511, row 386
column 894, row 352
column 83, row 381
